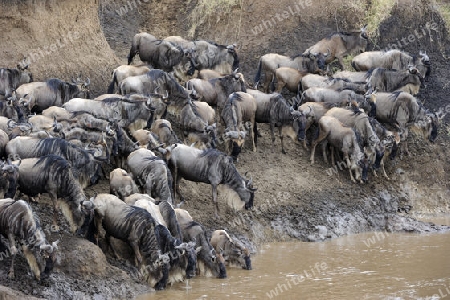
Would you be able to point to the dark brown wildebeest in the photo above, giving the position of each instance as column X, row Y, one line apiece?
column 11, row 79
column 139, row 39
column 341, row 44
column 233, row 251
column 344, row 139
column 313, row 62
column 384, row 80
column 239, row 109
column 124, row 71
column 208, row 166
column 281, row 114
column 392, row 59
column 405, row 110
column 19, row 224
column 136, row 227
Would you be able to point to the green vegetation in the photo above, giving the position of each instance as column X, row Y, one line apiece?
column 444, row 10
column 206, row 9
column 378, row 11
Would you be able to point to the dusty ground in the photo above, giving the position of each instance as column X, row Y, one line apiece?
column 294, row 200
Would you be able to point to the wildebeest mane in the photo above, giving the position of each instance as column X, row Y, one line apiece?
column 62, row 147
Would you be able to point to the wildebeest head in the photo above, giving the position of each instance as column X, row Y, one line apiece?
column 11, row 172
column 236, row 140
column 428, row 126
column 320, row 59
column 25, row 75
column 189, row 250
column 79, row 88
column 252, row 190
column 425, row 65
column 46, row 257
column 299, row 123
column 363, row 164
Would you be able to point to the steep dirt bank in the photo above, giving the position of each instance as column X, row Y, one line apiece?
column 294, row 200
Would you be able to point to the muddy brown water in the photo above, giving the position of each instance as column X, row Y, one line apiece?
column 375, row 265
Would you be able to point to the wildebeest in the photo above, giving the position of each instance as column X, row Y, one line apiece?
column 207, row 74
column 319, row 94
column 124, row 71
column 19, row 224
column 159, row 54
column 313, row 62
column 384, row 80
column 351, row 76
column 281, row 114
column 9, row 176
column 182, row 255
column 210, row 262
column 406, row 111
column 11, row 79
column 344, row 139
column 208, row 166
column 239, row 109
column 53, row 92
column 341, row 44
column 135, row 226
column 289, row 78
column 124, row 110
column 14, row 129
column 52, row 174
column 233, row 251
column 85, row 168
column 392, row 59
column 151, row 173
column 314, row 80
column 121, row 184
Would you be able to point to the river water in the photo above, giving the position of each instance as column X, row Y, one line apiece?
column 376, row 265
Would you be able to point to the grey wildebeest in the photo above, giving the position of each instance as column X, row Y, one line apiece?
column 125, row 110
column 183, row 257
column 289, row 78
column 351, row 76
column 233, row 251
column 392, row 59
column 319, row 94
column 20, row 225
column 151, row 173
column 208, row 166
column 159, row 54
column 124, row 71
column 406, row 111
column 52, row 174
column 344, row 139
column 53, row 92
column 136, row 227
column 209, row 262
column 9, row 176
column 313, row 62
column 121, row 184
column 314, row 80
column 239, row 109
column 86, row 169
column 341, row 44
column 360, row 122
column 11, row 79
column 384, row 80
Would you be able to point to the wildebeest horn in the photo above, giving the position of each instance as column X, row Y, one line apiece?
column 87, row 82
column 88, row 204
column 11, row 123
column 46, row 248
column 55, row 245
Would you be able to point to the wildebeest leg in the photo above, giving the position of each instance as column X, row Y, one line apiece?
column 322, row 135
column 137, row 253
column 382, row 168
column 272, row 127
column 349, row 164
column 214, row 197
column 280, row 133
column 55, row 227
column 176, row 183
column 109, row 246
column 31, row 262
column 13, row 250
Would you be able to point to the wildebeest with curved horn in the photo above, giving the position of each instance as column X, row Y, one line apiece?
column 341, row 44
column 86, row 169
column 151, row 173
column 52, row 174
column 19, row 224
column 313, row 62
column 53, row 92
column 208, row 166
column 233, row 251
column 392, row 59
column 135, row 226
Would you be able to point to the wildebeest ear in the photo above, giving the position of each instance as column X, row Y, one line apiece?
column 198, row 249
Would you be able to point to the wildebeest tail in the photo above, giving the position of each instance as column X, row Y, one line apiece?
column 355, row 66
column 258, row 74
column 113, row 82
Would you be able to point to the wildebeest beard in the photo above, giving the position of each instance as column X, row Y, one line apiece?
column 434, row 132
column 235, row 150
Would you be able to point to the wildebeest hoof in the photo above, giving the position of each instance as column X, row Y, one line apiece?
column 283, row 151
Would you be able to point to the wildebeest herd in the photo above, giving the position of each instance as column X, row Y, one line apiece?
column 56, row 140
